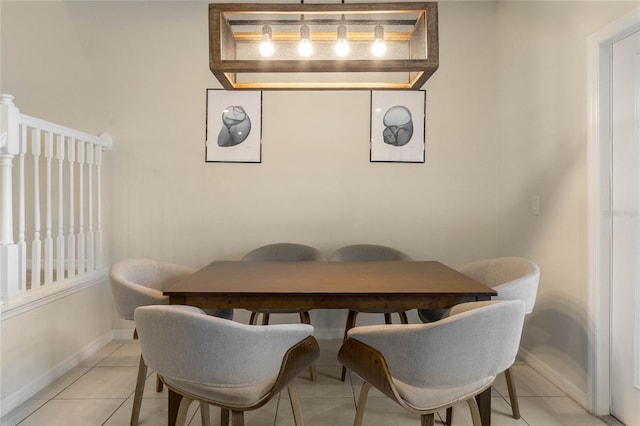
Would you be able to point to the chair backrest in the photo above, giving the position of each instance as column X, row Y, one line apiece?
column 139, row 282
column 368, row 253
column 514, row 278
column 283, row 252
column 474, row 343
column 187, row 345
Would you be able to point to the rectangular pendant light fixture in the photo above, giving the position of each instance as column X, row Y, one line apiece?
column 323, row 46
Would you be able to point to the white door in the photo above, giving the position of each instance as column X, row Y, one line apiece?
column 625, row 260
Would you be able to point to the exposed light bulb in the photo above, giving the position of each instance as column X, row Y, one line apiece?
column 379, row 48
column 305, row 48
column 266, row 46
column 342, row 47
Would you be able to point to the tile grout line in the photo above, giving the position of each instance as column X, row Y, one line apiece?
column 67, row 386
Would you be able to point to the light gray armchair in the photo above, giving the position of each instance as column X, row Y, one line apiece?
column 139, row 282
column 234, row 366
column 369, row 253
column 283, row 252
column 428, row 367
column 514, row 278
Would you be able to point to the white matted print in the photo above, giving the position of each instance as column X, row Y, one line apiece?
column 397, row 126
column 234, row 126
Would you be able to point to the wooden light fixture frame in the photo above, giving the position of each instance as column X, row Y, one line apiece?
column 423, row 42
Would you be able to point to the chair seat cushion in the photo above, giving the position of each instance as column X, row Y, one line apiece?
column 220, row 313
column 426, row 399
column 432, row 314
column 230, row 396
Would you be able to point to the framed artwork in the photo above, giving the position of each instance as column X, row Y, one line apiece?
column 234, row 126
column 397, row 126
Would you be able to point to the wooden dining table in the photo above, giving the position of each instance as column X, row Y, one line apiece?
column 403, row 285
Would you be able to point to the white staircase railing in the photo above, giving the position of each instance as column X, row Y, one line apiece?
column 57, row 175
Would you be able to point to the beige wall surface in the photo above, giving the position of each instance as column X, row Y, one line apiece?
column 40, row 345
column 506, row 119
column 542, row 150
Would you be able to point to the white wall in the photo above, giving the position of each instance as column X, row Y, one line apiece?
column 542, row 150
column 506, row 119
column 39, row 345
column 140, row 71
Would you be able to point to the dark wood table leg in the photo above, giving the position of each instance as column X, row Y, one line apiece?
column 484, row 405
column 174, row 404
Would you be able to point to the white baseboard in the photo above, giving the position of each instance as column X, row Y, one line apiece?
column 555, row 377
column 123, row 334
column 328, row 333
column 28, row 390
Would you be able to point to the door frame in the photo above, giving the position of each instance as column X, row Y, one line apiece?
column 599, row 46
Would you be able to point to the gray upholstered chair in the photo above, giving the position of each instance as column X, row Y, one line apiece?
column 234, row 366
column 514, row 278
column 428, row 367
column 283, row 252
column 139, row 282
column 369, row 253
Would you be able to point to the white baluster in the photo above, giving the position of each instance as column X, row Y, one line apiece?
column 74, row 252
column 71, row 239
column 60, row 236
column 81, row 237
column 48, row 239
column 90, row 239
column 36, row 244
column 9, row 147
column 22, row 244
column 99, row 258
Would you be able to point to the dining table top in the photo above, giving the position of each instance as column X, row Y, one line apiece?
column 306, row 285
column 326, row 284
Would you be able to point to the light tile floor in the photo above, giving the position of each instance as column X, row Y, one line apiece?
column 100, row 392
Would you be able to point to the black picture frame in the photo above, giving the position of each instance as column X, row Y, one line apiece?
column 398, row 126
column 234, row 126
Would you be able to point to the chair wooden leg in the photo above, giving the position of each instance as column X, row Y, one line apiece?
column 513, row 395
column 265, row 318
column 427, row 420
column 224, row 417
column 305, row 318
column 351, row 322
column 312, row 372
column 295, row 405
column 181, row 419
column 388, row 319
column 403, row 317
column 137, row 395
column 204, row 414
column 159, row 384
column 362, row 402
column 475, row 412
column 237, row 418
column 449, row 419
column 253, row 320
